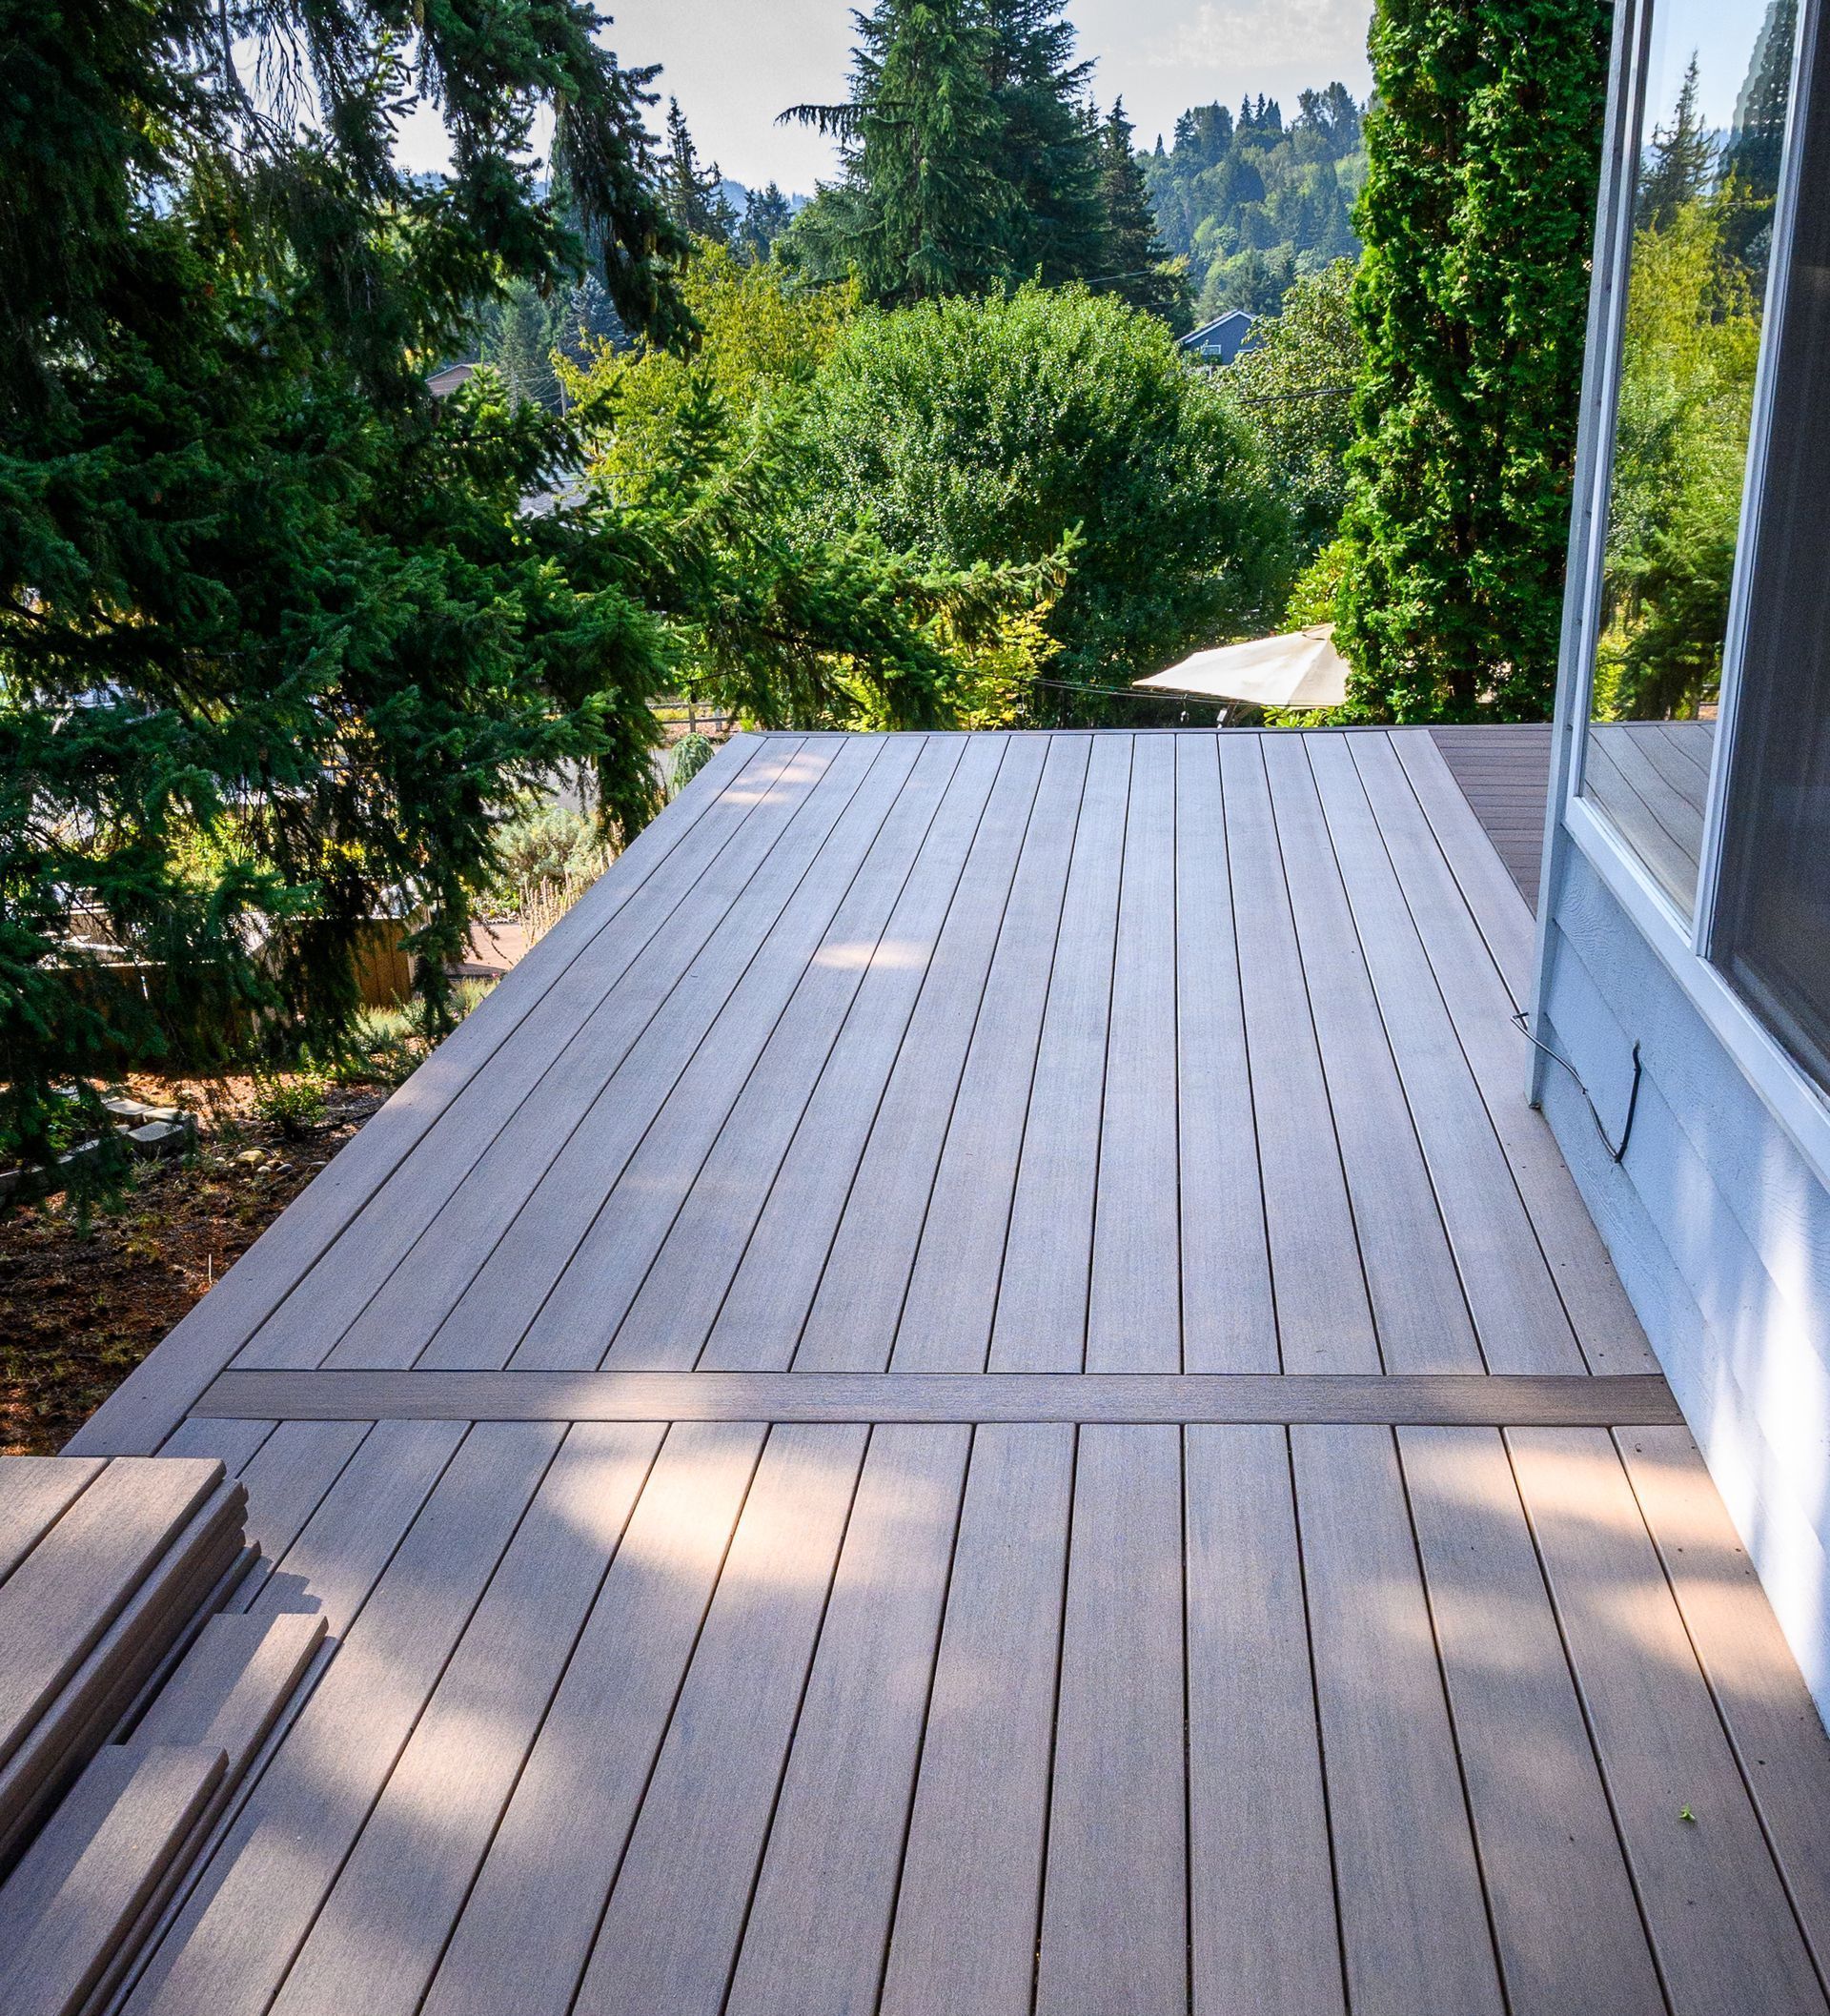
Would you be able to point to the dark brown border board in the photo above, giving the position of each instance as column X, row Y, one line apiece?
column 1423, row 1399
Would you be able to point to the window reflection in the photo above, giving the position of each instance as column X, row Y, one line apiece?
column 1718, row 83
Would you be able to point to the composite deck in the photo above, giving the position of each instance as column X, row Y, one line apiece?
column 1505, row 775
column 973, row 1392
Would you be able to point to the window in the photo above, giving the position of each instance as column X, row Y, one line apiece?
column 1714, row 90
column 1771, row 932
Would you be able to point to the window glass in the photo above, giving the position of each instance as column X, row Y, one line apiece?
column 1717, row 84
column 1772, row 929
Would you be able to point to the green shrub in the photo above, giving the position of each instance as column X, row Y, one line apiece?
column 294, row 1105
column 985, row 432
column 691, row 754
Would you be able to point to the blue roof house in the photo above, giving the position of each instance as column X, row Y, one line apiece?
column 1222, row 339
column 1681, row 1011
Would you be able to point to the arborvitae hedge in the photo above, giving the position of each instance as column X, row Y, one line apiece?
column 1478, row 218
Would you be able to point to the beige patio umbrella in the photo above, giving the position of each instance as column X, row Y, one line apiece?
column 1299, row 669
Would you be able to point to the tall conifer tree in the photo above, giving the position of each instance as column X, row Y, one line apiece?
column 1048, row 153
column 1478, row 216
column 1680, row 162
column 1139, row 269
column 969, row 160
column 694, row 196
column 923, row 208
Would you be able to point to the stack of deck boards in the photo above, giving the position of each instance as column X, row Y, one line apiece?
column 128, row 1711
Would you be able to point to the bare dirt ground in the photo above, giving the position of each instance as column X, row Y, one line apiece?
column 82, row 1303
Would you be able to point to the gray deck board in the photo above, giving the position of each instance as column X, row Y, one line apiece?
column 706, row 1813
column 1565, row 1918
column 241, row 1928
column 974, row 1391
column 1721, row 1924
column 1500, row 1400
column 1134, row 1302
column 516, row 1114
column 969, row 1903
column 1114, row 1926
column 1324, row 1317
column 1418, row 1304
column 1518, row 1315
column 499, row 1248
column 953, row 1291
column 555, row 1856
column 1040, row 1322
column 663, row 1127
column 741, row 1296
column 852, row 1322
column 1480, row 999
column 819, row 1923
column 506, row 1031
column 1264, row 1935
column 384, row 1923
column 1229, row 1314
column 1413, row 1918
column 1779, row 1743
column 723, row 1145
column 33, row 1492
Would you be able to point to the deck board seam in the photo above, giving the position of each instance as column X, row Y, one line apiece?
column 767, row 1192
column 1289, row 904
column 1517, row 1400
column 1048, row 984
column 1708, row 1681
column 578, row 1031
column 403, row 1255
column 1400, row 1077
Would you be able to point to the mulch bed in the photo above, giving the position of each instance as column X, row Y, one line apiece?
column 82, row 1303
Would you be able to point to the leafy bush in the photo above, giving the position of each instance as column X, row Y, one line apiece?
column 980, row 432
column 1295, row 385
column 690, row 756
column 294, row 1105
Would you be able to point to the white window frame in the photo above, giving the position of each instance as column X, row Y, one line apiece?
column 1682, row 945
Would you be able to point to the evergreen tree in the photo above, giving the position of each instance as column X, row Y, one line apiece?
column 1249, row 206
column 968, row 156
column 766, row 215
column 1477, row 215
column 1048, row 156
column 1140, row 270
column 694, row 196
column 1296, row 379
column 1758, row 135
column 273, row 636
column 1680, row 160
column 922, row 208
column 519, row 336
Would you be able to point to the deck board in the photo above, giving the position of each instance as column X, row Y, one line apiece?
column 975, row 1392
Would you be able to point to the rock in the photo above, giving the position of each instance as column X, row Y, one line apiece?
column 163, row 1112
column 251, row 1158
column 160, row 1137
column 130, row 1110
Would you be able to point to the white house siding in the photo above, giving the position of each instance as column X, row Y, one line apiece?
column 1720, row 1230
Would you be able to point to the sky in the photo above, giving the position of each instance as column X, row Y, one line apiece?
column 735, row 64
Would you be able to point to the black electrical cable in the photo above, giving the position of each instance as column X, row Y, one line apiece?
column 1522, row 1023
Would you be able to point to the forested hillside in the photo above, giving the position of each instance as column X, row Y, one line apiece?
column 1251, row 203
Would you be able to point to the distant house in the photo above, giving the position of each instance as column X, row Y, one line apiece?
column 1220, row 340
column 442, row 384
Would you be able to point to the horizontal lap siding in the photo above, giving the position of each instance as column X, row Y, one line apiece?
column 1721, row 1234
